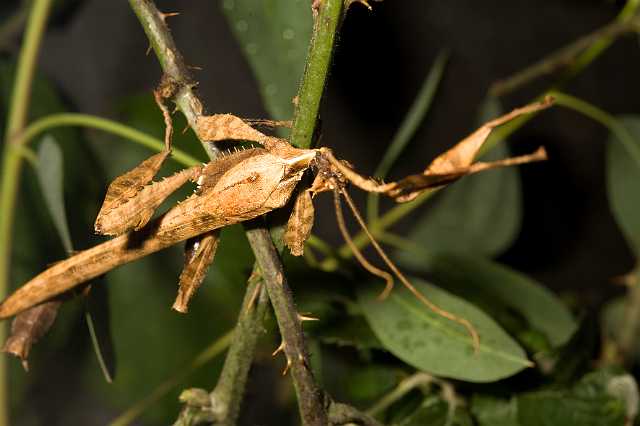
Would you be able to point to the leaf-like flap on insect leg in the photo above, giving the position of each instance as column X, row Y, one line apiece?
column 459, row 160
column 220, row 127
column 464, row 152
column 410, row 187
column 138, row 209
column 127, row 186
column 300, row 223
column 198, row 256
column 28, row 327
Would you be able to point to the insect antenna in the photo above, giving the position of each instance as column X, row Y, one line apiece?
column 356, row 251
column 383, row 274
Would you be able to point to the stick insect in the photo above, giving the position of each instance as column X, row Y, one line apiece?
column 238, row 187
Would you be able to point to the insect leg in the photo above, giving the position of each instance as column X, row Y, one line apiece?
column 199, row 254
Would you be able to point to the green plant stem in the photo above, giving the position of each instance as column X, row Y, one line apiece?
column 315, row 74
column 403, row 388
column 408, row 127
column 213, row 350
column 602, row 117
column 90, row 121
column 587, row 57
column 17, row 117
column 601, row 38
column 398, row 212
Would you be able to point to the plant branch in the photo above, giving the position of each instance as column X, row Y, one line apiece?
column 227, row 396
column 310, row 397
column 314, row 80
column 12, row 161
column 602, row 117
column 172, row 63
column 564, row 57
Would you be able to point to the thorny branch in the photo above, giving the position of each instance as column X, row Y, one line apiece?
column 312, row 403
column 234, row 375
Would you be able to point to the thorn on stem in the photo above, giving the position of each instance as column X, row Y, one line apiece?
column 281, row 349
column 254, row 298
column 304, row 317
column 278, row 349
column 287, row 367
column 164, row 16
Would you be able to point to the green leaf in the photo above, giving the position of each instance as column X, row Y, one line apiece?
column 50, row 173
column 435, row 411
column 480, row 214
column 496, row 286
column 274, row 36
column 589, row 403
column 623, row 175
column 439, row 346
column 492, row 411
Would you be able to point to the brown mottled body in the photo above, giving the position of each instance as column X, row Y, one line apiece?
column 243, row 190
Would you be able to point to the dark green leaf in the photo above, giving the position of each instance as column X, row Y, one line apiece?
column 589, row 403
column 50, row 173
column 491, row 411
column 369, row 381
column 495, row 285
column 431, row 343
column 480, row 214
column 274, row 35
column 623, row 175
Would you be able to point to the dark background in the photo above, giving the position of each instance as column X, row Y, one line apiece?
column 94, row 53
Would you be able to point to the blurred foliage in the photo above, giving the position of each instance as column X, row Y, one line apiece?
column 363, row 349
